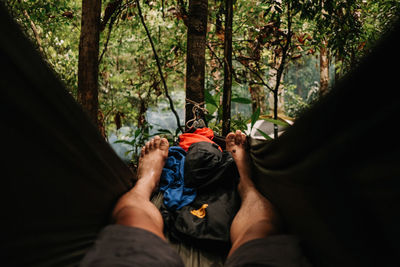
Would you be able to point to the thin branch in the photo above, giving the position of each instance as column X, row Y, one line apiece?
column 171, row 104
column 221, row 63
column 243, row 40
column 256, row 83
column 215, row 55
column 109, row 12
column 163, row 9
column 257, row 75
column 112, row 13
column 110, row 26
column 279, row 73
column 285, row 49
column 227, row 93
column 240, row 26
column 35, row 32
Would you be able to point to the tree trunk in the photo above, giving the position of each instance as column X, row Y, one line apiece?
column 282, row 56
column 258, row 96
column 195, row 59
column 275, row 103
column 226, row 98
column 88, row 65
column 323, row 69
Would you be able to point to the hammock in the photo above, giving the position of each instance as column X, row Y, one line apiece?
column 333, row 175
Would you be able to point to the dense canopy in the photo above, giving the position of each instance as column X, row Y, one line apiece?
column 309, row 45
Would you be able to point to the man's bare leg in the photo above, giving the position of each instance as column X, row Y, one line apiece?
column 135, row 208
column 256, row 217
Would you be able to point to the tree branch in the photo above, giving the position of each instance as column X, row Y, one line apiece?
column 257, row 75
column 35, row 32
column 279, row 73
column 213, row 53
column 227, row 93
column 171, row 104
column 109, row 12
column 110, row 26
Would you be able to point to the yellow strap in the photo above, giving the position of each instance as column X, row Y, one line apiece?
column 201, row 213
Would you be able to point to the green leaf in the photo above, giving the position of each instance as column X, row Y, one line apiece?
column 128, row 152
column 254, row 118
column 164, row 131
column 211, row 108
column 209, row 99
column 266, row 136
column 137, row 132
column 277, row 122
column 241, row 100
column 124, row 142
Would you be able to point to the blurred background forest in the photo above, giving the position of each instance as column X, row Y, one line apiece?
column 294, row 49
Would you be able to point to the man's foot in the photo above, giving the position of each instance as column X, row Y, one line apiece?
column 236, row 144
column 134, row 207
column 151, row 162
column 256, row 217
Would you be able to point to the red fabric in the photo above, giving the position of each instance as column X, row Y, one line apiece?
column 200, row 135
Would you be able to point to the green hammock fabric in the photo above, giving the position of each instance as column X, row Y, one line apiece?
column 60, row 179
column 333, row 175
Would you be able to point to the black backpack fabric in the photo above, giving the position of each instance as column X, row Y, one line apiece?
column 214, row 175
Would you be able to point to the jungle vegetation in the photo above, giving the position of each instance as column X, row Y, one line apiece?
column 240, row 61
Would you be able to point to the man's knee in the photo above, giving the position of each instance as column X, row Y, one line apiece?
column 142, row 215
column 120, row 245
column 255, row 230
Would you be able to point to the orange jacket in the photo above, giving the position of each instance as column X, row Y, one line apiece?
column 200, row 135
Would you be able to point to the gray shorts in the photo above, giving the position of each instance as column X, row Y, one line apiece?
column 120, row 245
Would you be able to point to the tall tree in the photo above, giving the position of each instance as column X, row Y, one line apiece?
column 275, row 96
column 279, row 74
column 195, row 59
column 88, row 65
column 227, row 94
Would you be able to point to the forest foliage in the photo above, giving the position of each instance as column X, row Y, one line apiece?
column 264, row 32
